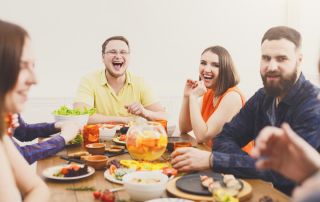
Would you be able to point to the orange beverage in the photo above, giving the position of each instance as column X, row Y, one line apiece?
column 164, row 124
column 90, row 134
column 181, row 144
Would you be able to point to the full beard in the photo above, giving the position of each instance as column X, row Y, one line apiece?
column 280, row 88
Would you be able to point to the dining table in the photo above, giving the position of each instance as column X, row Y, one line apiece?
column 60, row 189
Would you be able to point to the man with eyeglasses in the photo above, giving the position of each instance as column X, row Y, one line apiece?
column 117, row 94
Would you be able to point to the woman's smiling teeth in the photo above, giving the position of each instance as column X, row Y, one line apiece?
column 208, row 77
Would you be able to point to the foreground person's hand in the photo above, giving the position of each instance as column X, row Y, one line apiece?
column 69, row 129
column 282, row 150
column 309, row 190
column 189, row 159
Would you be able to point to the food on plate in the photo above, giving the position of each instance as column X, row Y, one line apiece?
column 118, row 173
column 115, row 148
column 206, row 181
column 78, row 154
column 143, row 165
column 120, row 137
column 118, row 169
column 72, row 170
column 145, row 180
column 228, row 186
column 114, row 162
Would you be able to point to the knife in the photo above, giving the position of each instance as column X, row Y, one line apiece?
column 72, row 159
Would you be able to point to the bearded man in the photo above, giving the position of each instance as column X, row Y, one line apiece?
column 286, row 97
column 117, row 94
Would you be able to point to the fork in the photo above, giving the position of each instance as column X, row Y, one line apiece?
column 116, row 189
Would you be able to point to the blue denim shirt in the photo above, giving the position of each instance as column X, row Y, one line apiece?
column 300, row 108
column 34, row 152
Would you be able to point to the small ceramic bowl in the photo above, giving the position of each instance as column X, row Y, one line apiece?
column 96, row 148
column 97, row 161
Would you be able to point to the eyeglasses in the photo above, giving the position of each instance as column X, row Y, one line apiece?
column 115, row 52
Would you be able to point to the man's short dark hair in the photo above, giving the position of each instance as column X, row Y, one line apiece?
column 283, row 32
column 120, row 38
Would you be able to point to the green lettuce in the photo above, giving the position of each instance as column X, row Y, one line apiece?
column 64, row 110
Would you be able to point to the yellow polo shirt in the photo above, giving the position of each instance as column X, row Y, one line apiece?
column 95, row 91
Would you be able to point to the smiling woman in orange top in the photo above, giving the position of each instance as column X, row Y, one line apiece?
column 211, row 102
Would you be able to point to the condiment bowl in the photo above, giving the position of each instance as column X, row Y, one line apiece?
column 96, row 148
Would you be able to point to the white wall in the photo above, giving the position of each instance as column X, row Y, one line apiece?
column 166, row 36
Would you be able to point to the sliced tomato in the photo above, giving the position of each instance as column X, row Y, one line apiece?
column 122, row 137
column 74, row 167
column 64, row 171
column 112, row 169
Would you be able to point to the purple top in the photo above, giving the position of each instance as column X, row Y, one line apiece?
column 28, row 132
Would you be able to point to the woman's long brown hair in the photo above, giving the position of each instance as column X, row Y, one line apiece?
column 12, row 38
column 228, row 76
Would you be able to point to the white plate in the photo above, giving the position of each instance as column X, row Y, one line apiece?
column 48, row 173
column 111, row 178
column 169, row 200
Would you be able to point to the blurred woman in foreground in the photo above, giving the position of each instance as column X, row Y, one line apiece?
column 18, row 181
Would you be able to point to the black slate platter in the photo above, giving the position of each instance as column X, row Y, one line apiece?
column 192, row 184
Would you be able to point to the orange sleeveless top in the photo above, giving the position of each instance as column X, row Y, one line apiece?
column 208, row 109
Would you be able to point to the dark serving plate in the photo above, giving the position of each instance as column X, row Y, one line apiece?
column 192, row 184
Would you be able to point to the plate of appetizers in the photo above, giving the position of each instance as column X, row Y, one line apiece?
column 68, row 172
column 203, row 185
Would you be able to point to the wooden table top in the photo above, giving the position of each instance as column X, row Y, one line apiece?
column 60, row 194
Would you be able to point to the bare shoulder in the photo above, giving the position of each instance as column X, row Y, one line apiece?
column 231, row 98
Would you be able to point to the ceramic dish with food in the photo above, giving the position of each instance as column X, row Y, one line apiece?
column 145, row 185
column 68, row 172
column 96, row 148
column 96, row 161
column 115, row 148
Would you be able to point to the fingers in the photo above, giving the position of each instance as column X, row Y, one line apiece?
column 15, row 121
column 266, row 138
column 292, row 136
column 135, row 108
column 181, row 161
column 191, row 83
column 264, row 163
column 180, row 151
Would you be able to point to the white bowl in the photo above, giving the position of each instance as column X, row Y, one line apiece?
column 106, row 131
column 79, row 119
column 143, row 191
